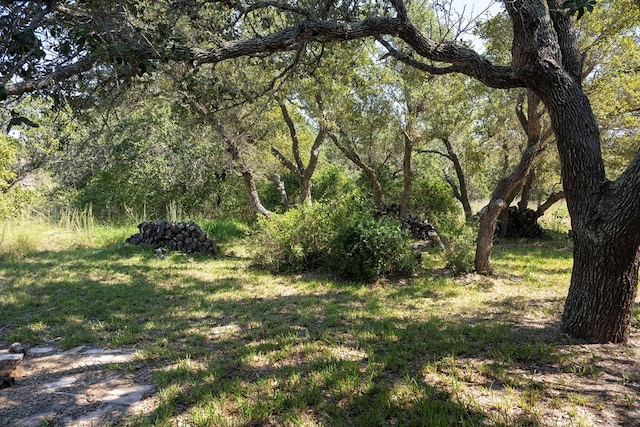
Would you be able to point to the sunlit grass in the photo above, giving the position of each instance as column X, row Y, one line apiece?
column 231, row 345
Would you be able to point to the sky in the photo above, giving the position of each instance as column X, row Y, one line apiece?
column 477, row 6
column 472, row 9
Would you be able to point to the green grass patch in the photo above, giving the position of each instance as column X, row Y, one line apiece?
column 231, row 345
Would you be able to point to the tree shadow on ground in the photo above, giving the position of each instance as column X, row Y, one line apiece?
column 230, row 353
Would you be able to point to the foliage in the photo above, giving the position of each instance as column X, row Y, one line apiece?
column 338, row 237
column 460, row 249
column 366, row 248
column 17, row 201
column 297, row 240
column 433, row 198
column 144, row 158
column 578, row 6
column 332, row 182
column 14, row 199
column 8, row 156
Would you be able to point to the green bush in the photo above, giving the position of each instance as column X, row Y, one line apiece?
column 366, row 248
column 460, row 250
column 297, row 240
column 340, row 237
column 17, row 201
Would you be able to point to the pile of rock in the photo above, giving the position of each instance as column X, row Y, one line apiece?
column 520, row 223
column 180, row 236
column 418, row 228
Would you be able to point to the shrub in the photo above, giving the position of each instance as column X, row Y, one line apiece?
column 365, row 249
column 297, row 240
column 460, row 250
column 340, row 237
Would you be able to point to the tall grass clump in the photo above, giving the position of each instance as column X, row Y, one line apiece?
column 460, row 245
column 17, row 238
column 342, row 238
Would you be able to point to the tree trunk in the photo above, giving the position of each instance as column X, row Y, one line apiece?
column 484, row 243
column 507, row 187
column 525, row 195
column 551, row 200
column 599, row 306
column 231, row 147
column 368, row 171
column 284, row 198
column 605, row 225
column 407, row 174
column 303, row 174
column 605, row 216
column 463, row 193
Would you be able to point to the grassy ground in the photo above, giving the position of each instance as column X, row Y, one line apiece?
column 230, row 345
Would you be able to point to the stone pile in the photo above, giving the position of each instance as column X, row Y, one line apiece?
column 520, row 224
column 418, row 228
column 169, row 235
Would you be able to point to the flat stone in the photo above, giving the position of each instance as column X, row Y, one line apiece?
column 127, row 396
column 74, row 350
column 39, row 351
column 93, row 418
column 8, row 362
column 61, row 383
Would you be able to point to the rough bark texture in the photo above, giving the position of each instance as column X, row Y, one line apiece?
column 368, row 171
column 604, row 215
column 302, row 174
column 507, row 187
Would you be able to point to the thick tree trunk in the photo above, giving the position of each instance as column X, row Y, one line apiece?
column 601, row 298
column 605, row 216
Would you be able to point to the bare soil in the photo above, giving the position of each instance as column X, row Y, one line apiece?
column 81, row 387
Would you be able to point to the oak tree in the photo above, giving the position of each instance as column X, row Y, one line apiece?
column 114, row 40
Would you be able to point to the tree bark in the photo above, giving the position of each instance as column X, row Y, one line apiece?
column 231, row 147
column 406, row 173
column 605, row 216
column 463, row 192
column 459, row 189
column 484, row 242
column 551, row 200
column 525, row 194
column 368, row 171
column 284, row 199
column 507, row 187
column 302, row 174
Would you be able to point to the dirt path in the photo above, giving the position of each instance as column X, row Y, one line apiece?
column 83, row 386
